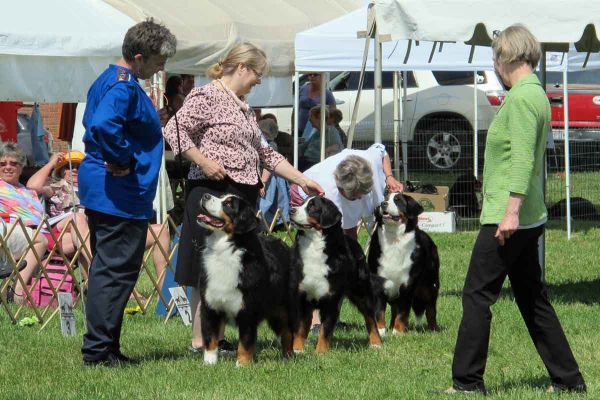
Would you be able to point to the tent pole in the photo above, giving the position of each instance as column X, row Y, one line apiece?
column 475, row 127
column 323, row 122
column 567, row 150
column 396, row 93
column 403, row 128
column 377, row 84
column 542, row 239
column 296, row 108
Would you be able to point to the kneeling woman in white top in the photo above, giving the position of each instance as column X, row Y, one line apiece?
column 355, row 181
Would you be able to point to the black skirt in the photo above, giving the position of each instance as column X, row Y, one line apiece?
column 193, row 236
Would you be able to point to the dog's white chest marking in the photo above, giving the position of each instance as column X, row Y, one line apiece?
column 223, row 264
column 315, row 269
column 395, row 259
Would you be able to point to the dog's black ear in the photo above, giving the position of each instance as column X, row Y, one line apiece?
column 413, row 208
column 330, row 215
column 243, row 216
column 378, row 215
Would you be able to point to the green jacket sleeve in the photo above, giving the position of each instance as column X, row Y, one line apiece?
column 523, row 128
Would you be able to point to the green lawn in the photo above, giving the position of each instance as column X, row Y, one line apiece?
column 40, row 365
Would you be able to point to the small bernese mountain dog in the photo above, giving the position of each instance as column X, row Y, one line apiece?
column 327, row 266
column 404, row 264
column 245, row 278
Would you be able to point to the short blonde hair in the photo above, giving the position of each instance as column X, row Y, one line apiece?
column 517, row 44
column 244, row 53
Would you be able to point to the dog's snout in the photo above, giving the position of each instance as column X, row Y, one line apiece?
column 384, row 204
column 293, row 210
column 206, row 196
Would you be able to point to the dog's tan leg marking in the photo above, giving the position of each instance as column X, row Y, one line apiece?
column 245, row 355
column 323, row 343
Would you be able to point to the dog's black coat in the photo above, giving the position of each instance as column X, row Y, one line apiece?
column 263, row 282
column 462, row 198
column 421, row 291
column 580, row 209
column 348, row 276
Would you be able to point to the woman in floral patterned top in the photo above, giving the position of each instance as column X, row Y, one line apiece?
column 217, row 131
column 20, row 202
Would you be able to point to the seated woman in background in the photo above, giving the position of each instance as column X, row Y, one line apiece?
column 310, row 150
column 19, row 202
column 57, row 182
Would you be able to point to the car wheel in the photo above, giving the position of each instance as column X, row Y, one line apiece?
column 445, row 145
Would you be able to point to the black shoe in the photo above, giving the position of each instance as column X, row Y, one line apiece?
column 556, row 388
column 124, row 359
column 112, row 360
column 226, row 347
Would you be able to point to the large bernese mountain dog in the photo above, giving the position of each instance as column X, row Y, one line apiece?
column 326, row 267
column 404, row 264
column 245, row 278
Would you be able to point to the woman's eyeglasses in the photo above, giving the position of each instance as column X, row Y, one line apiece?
column 258, row 75
column 11, row 163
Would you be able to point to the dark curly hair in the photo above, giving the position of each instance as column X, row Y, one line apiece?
column 148, row 38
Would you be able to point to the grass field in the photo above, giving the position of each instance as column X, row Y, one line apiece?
column 45, row 365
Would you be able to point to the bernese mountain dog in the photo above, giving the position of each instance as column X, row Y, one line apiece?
column 404, row 264
column 245, row 278
column 326, row 267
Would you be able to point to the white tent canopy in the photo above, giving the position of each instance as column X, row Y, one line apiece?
column 334, row 46
column 554, row 23
column 53, row 50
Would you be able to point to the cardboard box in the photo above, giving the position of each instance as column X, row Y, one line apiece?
column 432, row 202
column 438, row 221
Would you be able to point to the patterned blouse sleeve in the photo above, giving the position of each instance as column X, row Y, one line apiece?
column 192, row 117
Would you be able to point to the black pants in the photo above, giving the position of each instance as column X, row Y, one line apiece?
column 489, row 266
column 117, row 246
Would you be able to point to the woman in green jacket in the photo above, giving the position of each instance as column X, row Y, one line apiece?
column 512, row 219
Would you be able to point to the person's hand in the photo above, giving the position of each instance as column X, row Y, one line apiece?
column 213, row 170
column 262, row 192
column 393, row 184
column 311, row 187
column 508, row 226
column 56, row 158
column 163, row 114
column 117, row 170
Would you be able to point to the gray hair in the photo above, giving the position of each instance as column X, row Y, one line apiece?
column 10, row 149
column 354, row 175
column 148, row 38
column 269, row 128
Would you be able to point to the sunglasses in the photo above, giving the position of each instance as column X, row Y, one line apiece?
column 11, row 163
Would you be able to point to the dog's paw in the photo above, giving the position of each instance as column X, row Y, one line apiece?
column 375, row 346
column 210, row 357
column 298, row 351
column 397, row 333
column 381, row 332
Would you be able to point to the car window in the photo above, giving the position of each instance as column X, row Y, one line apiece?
column 574, row 77
column 349, row 81
column 449, row 78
